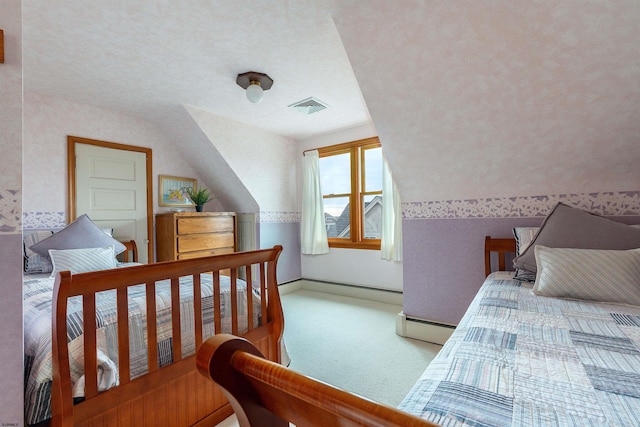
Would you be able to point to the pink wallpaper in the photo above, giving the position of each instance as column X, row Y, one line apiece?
column 11, row 392
column 476, row 99
column 444, row 243
column 48, row 122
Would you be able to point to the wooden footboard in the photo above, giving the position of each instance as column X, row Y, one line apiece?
column 173, row 395
column 264, row 393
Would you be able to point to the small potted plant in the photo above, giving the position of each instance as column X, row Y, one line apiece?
column 199, row 197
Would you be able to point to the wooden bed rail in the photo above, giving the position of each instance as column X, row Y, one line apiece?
column 266, row 394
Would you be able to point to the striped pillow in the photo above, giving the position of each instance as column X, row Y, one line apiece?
column 82, row 260
column 588, row 274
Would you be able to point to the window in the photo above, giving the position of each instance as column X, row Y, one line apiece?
column 351, row 181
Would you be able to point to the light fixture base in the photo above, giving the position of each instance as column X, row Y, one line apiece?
column 244, row 80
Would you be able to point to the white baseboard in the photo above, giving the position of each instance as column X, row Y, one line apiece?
column 287, row 288
column 378, row 295
column 424, row 330
column 409, row 327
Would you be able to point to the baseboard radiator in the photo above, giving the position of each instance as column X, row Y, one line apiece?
column 422, row 329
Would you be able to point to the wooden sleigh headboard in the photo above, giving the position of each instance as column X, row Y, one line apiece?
column 131, row 248
column 266, row 394
column 502, row 247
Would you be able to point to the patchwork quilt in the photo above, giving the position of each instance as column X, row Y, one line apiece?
column 518, row 359
column 37, row 333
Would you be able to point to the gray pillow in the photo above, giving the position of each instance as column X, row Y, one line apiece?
column 81, row 233
column 568, row 227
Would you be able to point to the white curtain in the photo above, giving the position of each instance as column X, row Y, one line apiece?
column 314, row 232
column 391, row 239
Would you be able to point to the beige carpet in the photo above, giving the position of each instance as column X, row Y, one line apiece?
column 351, row 344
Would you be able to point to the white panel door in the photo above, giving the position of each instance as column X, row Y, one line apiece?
column 111, row 187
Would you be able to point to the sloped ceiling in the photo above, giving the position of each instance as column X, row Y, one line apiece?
column 470, row 98
column 147, row 57
column 501, row 98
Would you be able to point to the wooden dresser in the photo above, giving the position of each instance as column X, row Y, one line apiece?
column 183, row 235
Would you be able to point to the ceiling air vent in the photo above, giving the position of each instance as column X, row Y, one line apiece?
column 309, row 106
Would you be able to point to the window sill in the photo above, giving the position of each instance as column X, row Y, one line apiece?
column 345, row 244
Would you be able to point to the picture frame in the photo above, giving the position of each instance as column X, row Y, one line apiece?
column 171, row 191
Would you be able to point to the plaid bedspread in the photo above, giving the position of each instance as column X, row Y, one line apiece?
column 37, row 333
column 518, row 359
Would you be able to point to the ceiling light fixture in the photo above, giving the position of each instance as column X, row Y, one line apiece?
column 255, row 84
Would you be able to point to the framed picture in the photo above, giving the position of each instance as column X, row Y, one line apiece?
column 172, row 190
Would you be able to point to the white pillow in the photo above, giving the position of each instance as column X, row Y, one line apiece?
column 524, row 236
column 588, row 274
column 82, row 260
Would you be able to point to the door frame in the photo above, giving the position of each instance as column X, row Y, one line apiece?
column 71, row 180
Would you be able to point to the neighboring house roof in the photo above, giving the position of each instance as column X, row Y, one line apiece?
column 343, row 223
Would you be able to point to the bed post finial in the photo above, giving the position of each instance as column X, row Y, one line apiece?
column 215, row 361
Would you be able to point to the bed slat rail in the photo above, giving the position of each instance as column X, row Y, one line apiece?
column 86, row 285
column 264, row 393
column 197, row 309
column 176, row 334
column 152, row 328
column 263, row 288
column 217, row 319
column 249, row 281
column 234, row 301
column 90, row 341
column 123, row 336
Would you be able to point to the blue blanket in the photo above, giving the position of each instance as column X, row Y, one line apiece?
column 517, row 359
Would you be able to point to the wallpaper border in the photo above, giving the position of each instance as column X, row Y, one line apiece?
column 278, row 217
column 44, row 220
column 621, row 203
column 53, row 220
column 10, row 211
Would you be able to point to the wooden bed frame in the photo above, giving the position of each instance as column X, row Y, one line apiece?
column 130, row 246
column 499, row 246
column 174, row 395
column 264, row 393
column 267, row 394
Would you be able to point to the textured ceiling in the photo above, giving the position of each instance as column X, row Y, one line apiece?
column 470, row 98
column 145, row 57
column 475, row 99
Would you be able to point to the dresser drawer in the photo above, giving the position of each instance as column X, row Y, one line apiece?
column 204, row 225
column 181, row 235
column 209, row 252
column 202, row 242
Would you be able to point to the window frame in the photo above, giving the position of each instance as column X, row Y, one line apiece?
column 356, row 150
